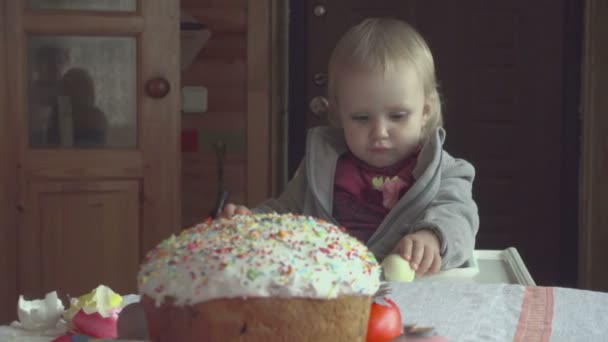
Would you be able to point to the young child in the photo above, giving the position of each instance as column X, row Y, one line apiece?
column 381, row 171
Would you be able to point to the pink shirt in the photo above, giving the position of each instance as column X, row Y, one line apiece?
column 364, row 194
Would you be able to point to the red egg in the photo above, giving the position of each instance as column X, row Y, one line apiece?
column 385, row 322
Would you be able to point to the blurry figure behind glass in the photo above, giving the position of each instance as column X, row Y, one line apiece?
column 87, row 124
column 62, row 103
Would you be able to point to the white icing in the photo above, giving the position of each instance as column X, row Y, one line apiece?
column 259, row 256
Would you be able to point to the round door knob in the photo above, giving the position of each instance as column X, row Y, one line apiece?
column 157, row 88
column 319, row 106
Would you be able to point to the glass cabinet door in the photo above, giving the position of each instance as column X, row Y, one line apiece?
column 82, row 92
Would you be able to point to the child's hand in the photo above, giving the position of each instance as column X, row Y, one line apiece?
column 232, row 209
column 421, row 249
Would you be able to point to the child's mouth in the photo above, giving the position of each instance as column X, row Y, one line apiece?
column 379, row 149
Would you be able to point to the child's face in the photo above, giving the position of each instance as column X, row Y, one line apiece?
column 382, row 117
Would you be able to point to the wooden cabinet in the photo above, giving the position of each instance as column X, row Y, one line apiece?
column 90, row 158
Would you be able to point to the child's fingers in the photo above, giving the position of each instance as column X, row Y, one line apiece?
column 242, row 210
column 406, row 250
column 417, row 253
column 436, row 266
column 425, row 263
column 228, row 211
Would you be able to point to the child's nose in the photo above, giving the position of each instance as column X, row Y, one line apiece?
column 379, row 129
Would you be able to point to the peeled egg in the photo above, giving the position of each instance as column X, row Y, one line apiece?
column 397, row 269
column 40, row 314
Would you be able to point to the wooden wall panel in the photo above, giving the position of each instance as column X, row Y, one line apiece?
column 221, row 67
column 227, row 46
column 223, row 120
column 226, row 99
column 259, row 108
column 216, row 72
column 241, row 67
column 200, row 188
column 221, row 18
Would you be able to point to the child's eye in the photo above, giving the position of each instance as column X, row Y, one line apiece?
column 360, row 117
column 399, row 115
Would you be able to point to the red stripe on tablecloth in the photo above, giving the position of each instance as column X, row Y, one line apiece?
column 536, row 317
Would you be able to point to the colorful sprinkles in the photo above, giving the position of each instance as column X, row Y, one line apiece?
column 259, row 256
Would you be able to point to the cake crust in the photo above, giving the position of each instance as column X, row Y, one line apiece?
column 260, row 319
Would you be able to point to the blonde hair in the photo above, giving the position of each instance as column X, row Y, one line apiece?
column 384, row 44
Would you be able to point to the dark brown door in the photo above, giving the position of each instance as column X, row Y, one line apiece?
column 508, row 75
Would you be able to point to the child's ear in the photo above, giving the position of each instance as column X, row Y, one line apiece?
column 426, row 112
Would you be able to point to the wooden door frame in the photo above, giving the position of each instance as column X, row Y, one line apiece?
column 279, row 93
column 266, row 77
column 297, row 102
column 258, row 100
column 593, row 226
column 8, row 188
column 165, row 65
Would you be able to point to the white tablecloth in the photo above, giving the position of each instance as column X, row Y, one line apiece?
column 500, row 312
column 467, row 312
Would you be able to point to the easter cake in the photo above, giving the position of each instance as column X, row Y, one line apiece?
column 262, row 277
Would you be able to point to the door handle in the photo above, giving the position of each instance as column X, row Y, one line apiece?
column 157, row 87
column 319, row 106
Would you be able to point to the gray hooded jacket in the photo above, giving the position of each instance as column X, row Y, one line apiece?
column 439, row 200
